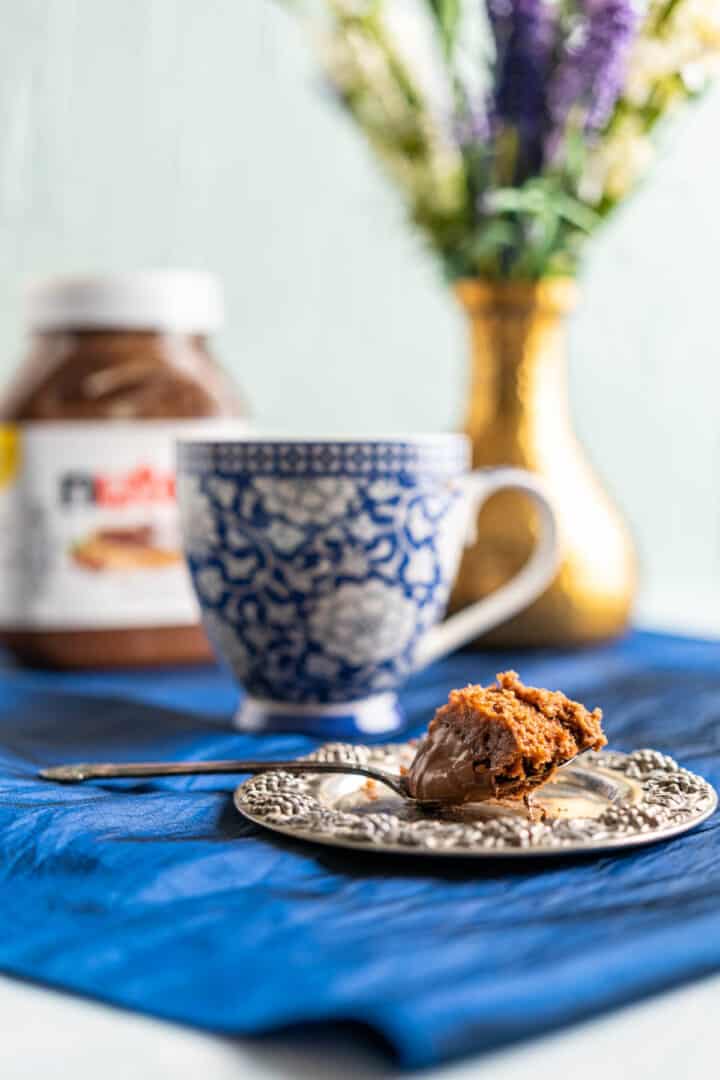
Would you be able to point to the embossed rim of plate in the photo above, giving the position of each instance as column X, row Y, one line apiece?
column 672, row 801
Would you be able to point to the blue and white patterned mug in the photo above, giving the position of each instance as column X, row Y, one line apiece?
column 323, row 568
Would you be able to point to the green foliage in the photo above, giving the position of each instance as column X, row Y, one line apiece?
column 447, row 17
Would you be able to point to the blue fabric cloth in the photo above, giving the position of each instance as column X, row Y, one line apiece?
column 158, row 897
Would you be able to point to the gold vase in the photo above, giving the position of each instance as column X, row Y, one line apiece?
column 518, row 415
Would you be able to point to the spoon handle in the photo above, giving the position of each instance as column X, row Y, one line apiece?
column 75, row 773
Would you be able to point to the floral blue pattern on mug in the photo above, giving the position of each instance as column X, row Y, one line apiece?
column 316, row 587
column 321, row 567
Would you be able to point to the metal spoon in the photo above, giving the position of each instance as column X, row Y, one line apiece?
column 74, row 774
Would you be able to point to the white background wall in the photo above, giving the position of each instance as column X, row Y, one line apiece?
column 196, row 132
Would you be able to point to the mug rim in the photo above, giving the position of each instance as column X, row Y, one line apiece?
column 438, row 455
column 260, row 439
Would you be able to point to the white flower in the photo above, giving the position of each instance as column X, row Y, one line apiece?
column 239, row 569
column 285, row 538
column 322, row 667
column 383, row 490
column 687, row 47
column 222, row 490
column 436, row 506
column 617, row 164
column 280, row 614
column 210, row 584
column 236, row 540
column 257, row 636
column 363, row 527
column 354, row 563
column 364, row 623
column 306, row 501
column 420, row 569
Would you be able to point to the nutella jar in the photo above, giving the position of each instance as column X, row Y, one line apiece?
column 91, row 567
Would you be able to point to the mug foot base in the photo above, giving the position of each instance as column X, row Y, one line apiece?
column 377, row 715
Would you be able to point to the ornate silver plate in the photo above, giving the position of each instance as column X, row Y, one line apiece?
column 605, row 800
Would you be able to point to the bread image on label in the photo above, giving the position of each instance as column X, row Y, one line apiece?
column 89, row 527
column 123, row 549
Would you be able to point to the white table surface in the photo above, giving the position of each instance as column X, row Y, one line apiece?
column 47, row 1034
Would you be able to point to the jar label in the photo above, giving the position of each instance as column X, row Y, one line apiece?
column 89, row 526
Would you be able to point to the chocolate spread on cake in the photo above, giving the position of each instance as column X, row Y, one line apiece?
column 500, row 741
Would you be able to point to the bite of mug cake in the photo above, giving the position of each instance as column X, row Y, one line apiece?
column 500, row 741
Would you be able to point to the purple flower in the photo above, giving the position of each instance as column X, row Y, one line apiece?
column 591, row 68
column 553, row 62
column 523, row 31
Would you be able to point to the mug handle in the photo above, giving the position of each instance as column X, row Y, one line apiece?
column 514, row 595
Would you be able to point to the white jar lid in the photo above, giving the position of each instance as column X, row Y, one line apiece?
column 185, row 301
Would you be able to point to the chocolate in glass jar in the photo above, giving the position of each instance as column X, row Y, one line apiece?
column 91, row 565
